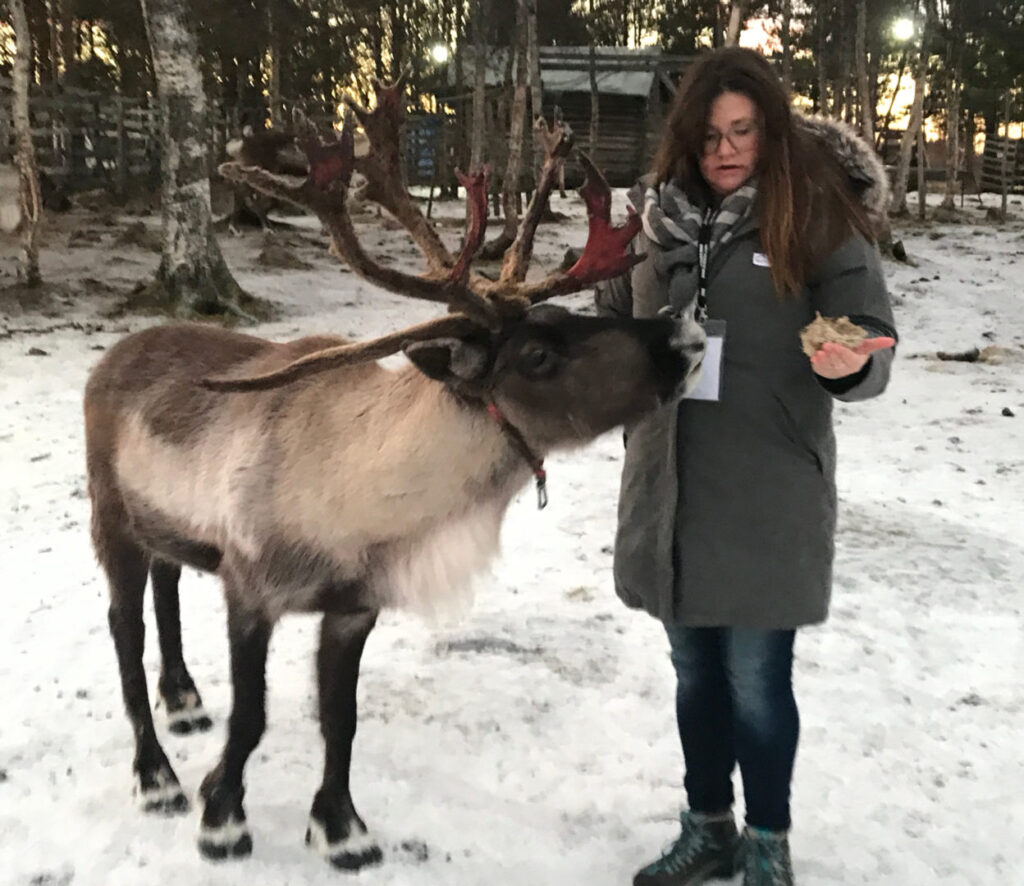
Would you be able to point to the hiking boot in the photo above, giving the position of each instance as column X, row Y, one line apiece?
column 705, row 850
column 766, row 858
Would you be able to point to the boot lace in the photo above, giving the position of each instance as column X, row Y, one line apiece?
column 693, row 840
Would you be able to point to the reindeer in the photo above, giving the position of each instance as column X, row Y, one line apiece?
column 310, row 478
column 276, row 151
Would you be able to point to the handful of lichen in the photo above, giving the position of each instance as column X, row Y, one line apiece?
column 826, row 329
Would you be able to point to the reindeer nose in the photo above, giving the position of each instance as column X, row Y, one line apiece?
column 688, row 338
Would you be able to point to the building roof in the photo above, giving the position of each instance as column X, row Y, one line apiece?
column 620, row 71
column 636, row 83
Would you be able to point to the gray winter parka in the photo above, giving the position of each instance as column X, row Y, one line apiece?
column 727, row 509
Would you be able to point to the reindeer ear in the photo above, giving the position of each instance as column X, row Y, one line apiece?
column 448, row 359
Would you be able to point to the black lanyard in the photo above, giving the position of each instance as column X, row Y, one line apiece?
column 703, row 252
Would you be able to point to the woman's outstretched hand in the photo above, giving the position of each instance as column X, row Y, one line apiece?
column 833, row 360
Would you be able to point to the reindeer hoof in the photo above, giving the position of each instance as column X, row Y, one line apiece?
column 185, row 712
column 357, row 851
column 229, row 840
column 160, row 793
column 185, row 722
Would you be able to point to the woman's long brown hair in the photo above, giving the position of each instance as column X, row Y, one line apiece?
column 799, row 179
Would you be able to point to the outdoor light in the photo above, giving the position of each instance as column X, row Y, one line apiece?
column 439, row 53
column 903, row 29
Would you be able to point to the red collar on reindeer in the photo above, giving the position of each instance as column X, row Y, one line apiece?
column 535, row 462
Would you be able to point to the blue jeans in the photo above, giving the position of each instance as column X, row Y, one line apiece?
column 735, row 704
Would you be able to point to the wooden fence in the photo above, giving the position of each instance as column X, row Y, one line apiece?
column 1002, row 165
column 86, row 140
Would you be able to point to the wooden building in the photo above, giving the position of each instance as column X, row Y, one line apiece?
column 635, row 89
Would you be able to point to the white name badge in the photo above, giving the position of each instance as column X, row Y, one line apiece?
column 710, row 385
column 761, row 260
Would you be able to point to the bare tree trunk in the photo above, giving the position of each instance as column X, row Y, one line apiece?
column 887, row 119
column 559, row 119
column 28, row 174
column 479, row 131
column 461, row 151
column 737, row 15
column 821, row 60
column 378, row 46
column 595, row 95
column 517, row 130
column 864, row 92
column 787, row 44
column 846, row 68
column 274, row 56
column 193, row 278
column 954, row 92
column 952, row 142
column 536, row 85
column 399, row 39
column 52, row 14
column 898, row 204
column 68, row 38
column 922, row 182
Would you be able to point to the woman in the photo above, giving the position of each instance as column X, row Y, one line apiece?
column 727, row 512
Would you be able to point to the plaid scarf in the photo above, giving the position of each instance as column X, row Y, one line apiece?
column 672, row 224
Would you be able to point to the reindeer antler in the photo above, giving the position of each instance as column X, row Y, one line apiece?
column 473, row 301
column 383, row 169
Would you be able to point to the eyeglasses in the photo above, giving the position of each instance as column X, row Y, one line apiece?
column 741, row 136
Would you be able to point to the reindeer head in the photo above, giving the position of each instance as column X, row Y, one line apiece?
column 562, row 378
column 559, row 378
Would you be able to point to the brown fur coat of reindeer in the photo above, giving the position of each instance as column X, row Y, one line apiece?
column 310, row 478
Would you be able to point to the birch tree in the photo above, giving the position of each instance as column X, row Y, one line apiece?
column 274, row 64
column 820, row 57
column 954, row 69
column 864, row 91
column 786, row 36
column 536, row 86
column 479, row 131
column 517, row 131
column 28, row 175
column 193, row 278
column 595, row 95
column 737, row 15
column 898, row 204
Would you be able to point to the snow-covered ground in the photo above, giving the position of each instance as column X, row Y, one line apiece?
column 533, row 742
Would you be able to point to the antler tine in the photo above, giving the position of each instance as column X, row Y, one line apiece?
column 478, row 310
column 604, row 255
column 344, row 355
column 476, row 186
column 382, row 166
column 324, row 192
column 557, row 141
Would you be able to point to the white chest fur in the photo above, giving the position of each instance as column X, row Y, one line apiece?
column 432, row 573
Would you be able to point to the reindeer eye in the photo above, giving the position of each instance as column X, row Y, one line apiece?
column 536, row 359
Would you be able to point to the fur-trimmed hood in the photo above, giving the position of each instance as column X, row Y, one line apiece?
column 862, row 165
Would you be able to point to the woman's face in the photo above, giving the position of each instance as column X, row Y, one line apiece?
column 731, row 143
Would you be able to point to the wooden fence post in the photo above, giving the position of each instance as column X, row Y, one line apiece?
column 1004, row 167
column 121, row 161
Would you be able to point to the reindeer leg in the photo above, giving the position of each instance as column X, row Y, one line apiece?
column 125, row 564
column 223, row 832
column 335, row 829
column 185, row 712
